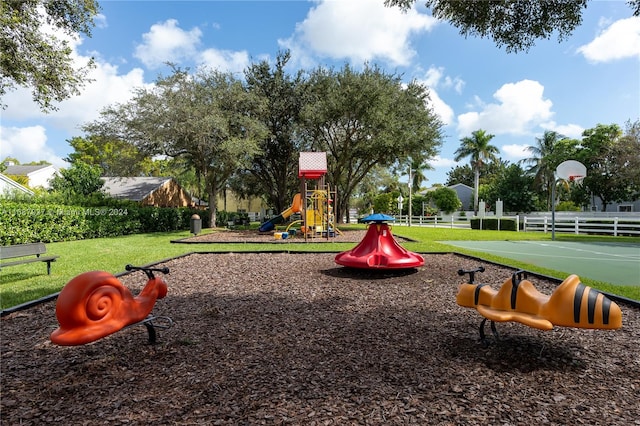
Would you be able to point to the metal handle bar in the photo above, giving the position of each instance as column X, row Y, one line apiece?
column 471, row 272
column 148, row 271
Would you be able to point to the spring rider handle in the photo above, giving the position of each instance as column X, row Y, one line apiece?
column 148, row 271
column 471, row 272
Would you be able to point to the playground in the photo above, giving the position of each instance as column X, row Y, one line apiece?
column 313, row 204
column 276, row 338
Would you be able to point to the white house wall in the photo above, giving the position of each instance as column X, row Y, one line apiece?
column 42, row 177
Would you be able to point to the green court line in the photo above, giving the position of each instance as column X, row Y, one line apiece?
column 608, row 262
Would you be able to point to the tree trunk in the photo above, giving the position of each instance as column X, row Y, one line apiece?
column 476, row 184
column 212, row 207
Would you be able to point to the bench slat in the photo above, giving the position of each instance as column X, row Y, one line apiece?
column 19, row 250
column 35, row 259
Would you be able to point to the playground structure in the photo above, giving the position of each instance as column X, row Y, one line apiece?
column 296, row 207
column 572, row 304
column 379, row 249
column 95, row 304
column 315, row 207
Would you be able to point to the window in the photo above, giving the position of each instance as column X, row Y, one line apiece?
column 625, row 208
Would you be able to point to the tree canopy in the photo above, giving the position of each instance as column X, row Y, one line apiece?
column 597, row 153
column 515, row 188
column 513, row 24
column 206, row 118
column 33, row 57
column 272, row 172
column 627, row 157
column 548, row 152
column 80, row 179
column 446, row 200
column 115, row 157
column 363, row 119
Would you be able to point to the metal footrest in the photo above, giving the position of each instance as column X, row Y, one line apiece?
column 152, row 323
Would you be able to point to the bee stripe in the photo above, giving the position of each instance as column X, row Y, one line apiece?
column 591, row 307
column 515, row 283
column 577, row 301
column 476, row 295
column 606, row 305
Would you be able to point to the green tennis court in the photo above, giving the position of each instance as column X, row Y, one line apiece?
column 614, row 263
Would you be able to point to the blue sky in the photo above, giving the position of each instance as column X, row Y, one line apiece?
column 593, row 77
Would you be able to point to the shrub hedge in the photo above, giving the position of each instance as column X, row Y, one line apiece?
column 491, row 223
column 30, row 222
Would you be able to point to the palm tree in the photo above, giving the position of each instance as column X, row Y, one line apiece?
column 481, row 152
column 543, row 162
column 418, row 167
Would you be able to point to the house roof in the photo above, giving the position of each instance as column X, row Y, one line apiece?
column 6, row 182
column 456, row 187
column 25, row 170
column 460, row 185
column 133, row 188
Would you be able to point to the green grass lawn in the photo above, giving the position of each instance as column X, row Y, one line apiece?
column 23, row 283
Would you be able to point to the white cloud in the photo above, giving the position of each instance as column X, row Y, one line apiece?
column 358, row 30
column 440, row 162
column 618, row 41
column 101, row 21
column 225, row 60
column 569, row 130
column 440, row 107
column 166, row 42
column 515, row 151
column 108, row 87
column 435, row 77
column 27, row 144
column 520, row 107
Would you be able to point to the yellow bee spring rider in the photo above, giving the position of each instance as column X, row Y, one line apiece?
column 572, row 304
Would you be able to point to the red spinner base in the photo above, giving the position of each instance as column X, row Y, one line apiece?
column 378, row 249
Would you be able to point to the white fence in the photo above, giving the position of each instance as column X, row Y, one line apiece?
column 434, row 221
column 583, row 225
column 590, row 223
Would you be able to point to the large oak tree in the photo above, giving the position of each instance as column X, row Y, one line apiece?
column 208, row 118
column 366, row 119
column 274, row 172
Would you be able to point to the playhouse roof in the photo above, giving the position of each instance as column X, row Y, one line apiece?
column 378, row 217
column 312, row 165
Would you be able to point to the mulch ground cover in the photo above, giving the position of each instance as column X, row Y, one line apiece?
column 278, row 338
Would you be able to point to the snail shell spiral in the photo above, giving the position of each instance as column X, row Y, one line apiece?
column 105, row 300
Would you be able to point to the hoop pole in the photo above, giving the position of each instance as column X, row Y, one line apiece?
column 553, row 209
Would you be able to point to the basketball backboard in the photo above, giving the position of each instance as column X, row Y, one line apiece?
column 571, row 170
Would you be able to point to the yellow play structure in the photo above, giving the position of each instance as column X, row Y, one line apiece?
column 315, row 207
column 317, row 215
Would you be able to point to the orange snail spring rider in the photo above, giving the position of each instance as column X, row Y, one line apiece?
column 95, row 304
column 572, row 304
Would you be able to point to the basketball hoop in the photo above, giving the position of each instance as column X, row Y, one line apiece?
column 577, row 179
column 571, row 171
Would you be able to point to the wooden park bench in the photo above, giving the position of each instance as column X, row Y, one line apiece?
column 23, row 251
